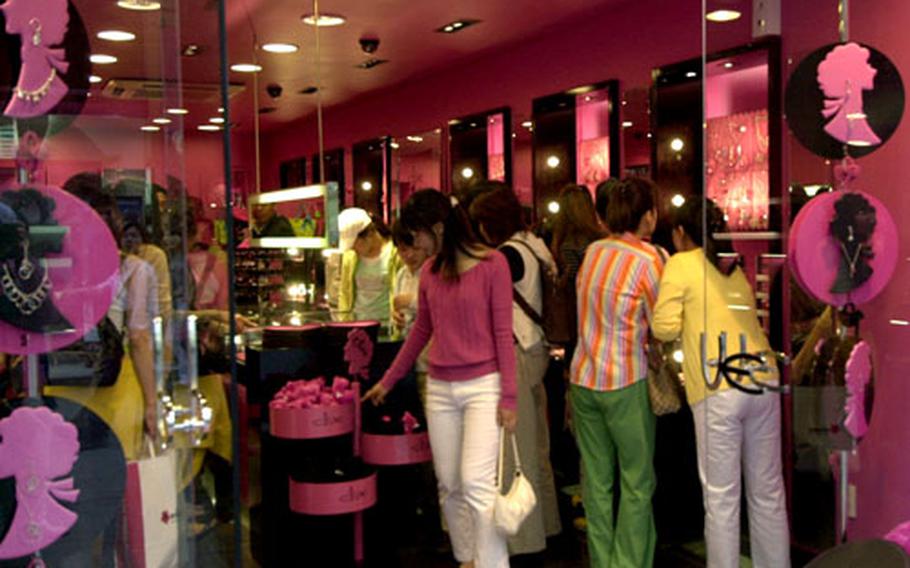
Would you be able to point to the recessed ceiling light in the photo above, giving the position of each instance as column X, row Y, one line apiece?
column 149, row 128
column 280, row 48
column 691, row 74
column 722, row 16
column 217, row 120
column 191, row 50
column 221, row 110
column 139, row 5
column 116, row 35
column 457, row 26
column 102, row 59
column 177, row 111
column 208, row 128
column 246, row 68
column 728, row 65
column 415, row 139
column 325, row 20
column 161, row 120
column 627, row 124
column 372, row 62
column 527, row 124
column 395, row 145
column 94, row 79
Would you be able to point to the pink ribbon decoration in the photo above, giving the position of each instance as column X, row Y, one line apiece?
column 312, row 393
column 358, row 352
column 846, row 172
column 900, row 535
column 409, row 422
column 38, row 447
column 857, row 375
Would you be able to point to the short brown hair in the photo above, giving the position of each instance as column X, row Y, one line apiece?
column 629, row 202
column 499, row 213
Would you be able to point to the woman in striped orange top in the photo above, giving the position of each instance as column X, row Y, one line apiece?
column 617, row 289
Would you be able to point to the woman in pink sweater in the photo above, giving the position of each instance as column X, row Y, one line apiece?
column 465, row 305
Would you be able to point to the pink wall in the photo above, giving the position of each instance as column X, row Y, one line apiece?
column 736, row 91
column 883, row 482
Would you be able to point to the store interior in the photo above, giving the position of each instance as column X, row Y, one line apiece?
column 395, row 97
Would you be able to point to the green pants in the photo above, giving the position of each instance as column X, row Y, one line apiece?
column 617, row 426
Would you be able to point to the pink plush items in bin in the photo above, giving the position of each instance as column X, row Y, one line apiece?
column 900, row 536
column 403, row 449
column 310, row 409
column 333, row 498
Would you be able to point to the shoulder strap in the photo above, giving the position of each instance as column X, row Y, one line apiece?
column 516, row 295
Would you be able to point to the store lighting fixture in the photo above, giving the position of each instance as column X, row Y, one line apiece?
column 728, row 65
column 581, row 90
column 899, row 322
column 180, row 111
column 415, row 139
column 677, row 144
column 208, row 128
column 94, row 79
column 366, row 186
column 280, row 48
column 324, row 20
column 678, row 201
column 161, row 120
column 723, row 16
column 678, row 356
column 553, row 162
column 246, row 68
column 812, row 190
column 116, row 35
column 467, row 173
column 149, row 128
column 293, row 194
column 139, row 5
column 371, row 62
column 102, row 59
column 739, row 308
column 527, row 124
column 217, row 120
column 221, row 110
column 395, row 145
column 456, row 26
column 553, row 207
column 191, row 50
column 627, row 124
column 691, row 74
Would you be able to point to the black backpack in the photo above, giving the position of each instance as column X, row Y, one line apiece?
column 558, row 315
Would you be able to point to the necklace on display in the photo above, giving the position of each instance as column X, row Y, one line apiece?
column 851, row 261
column 34, row 96
column 26, row 302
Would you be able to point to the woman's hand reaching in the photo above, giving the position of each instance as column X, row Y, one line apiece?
column 376, row 395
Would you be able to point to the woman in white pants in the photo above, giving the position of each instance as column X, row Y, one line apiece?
column 465, row 305
column 737, row 434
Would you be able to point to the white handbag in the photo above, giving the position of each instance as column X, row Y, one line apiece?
column 514, row 506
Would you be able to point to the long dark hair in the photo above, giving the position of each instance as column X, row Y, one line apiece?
column 576, row 224
column 427, row 207
column 703, row 218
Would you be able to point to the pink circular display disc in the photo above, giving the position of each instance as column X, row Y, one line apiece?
column 84, row 276
column 815, row 254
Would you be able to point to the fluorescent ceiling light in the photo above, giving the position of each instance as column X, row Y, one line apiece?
column 728, row 65
column 291, row 242
column 94, row 79
column 116, row 35
column 627, row 124
column 149, row 128
column 899, row 322
column 456, row 26
column 691, row 74
column 208, row 128
column 177, row 111
column 280, row 48
column 722, row 16
column 161, row 120
column 325, row 20
column 284, row 195
column 415, row 139
column 102, row 59
column 217, row 120
column 139, row 5
column 527, row 124
column 246, row 68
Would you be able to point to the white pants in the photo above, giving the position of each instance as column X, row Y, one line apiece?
column 464, row 436
column 738, row 435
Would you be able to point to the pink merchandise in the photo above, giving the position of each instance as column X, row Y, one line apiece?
column 42, row 25
column 309, row 409
column 79, row 278
column 816, row 256
column 358, row 352
column 900, row 535
column 857, row 376
column 39, row 448
column 333, row 498
column 843, row 76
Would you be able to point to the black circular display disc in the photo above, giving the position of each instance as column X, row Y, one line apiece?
column 99, row 475
column 806, row 101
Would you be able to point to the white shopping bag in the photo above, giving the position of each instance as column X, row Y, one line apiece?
column 151, row 510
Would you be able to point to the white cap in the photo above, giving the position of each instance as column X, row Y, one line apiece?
column 351, row 222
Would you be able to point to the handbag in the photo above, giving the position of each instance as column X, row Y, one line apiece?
column 513, row 507
column 664, row 389
column 151, row 510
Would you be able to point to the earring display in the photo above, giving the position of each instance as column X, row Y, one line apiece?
column 58, row 269
column 843, row 247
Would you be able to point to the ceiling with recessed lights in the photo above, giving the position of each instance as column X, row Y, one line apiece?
column 409, row 45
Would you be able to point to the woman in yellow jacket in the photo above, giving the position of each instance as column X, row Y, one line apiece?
column 737, row 434
column 368, row 267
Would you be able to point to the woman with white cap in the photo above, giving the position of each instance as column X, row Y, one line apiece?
column 368, row 267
